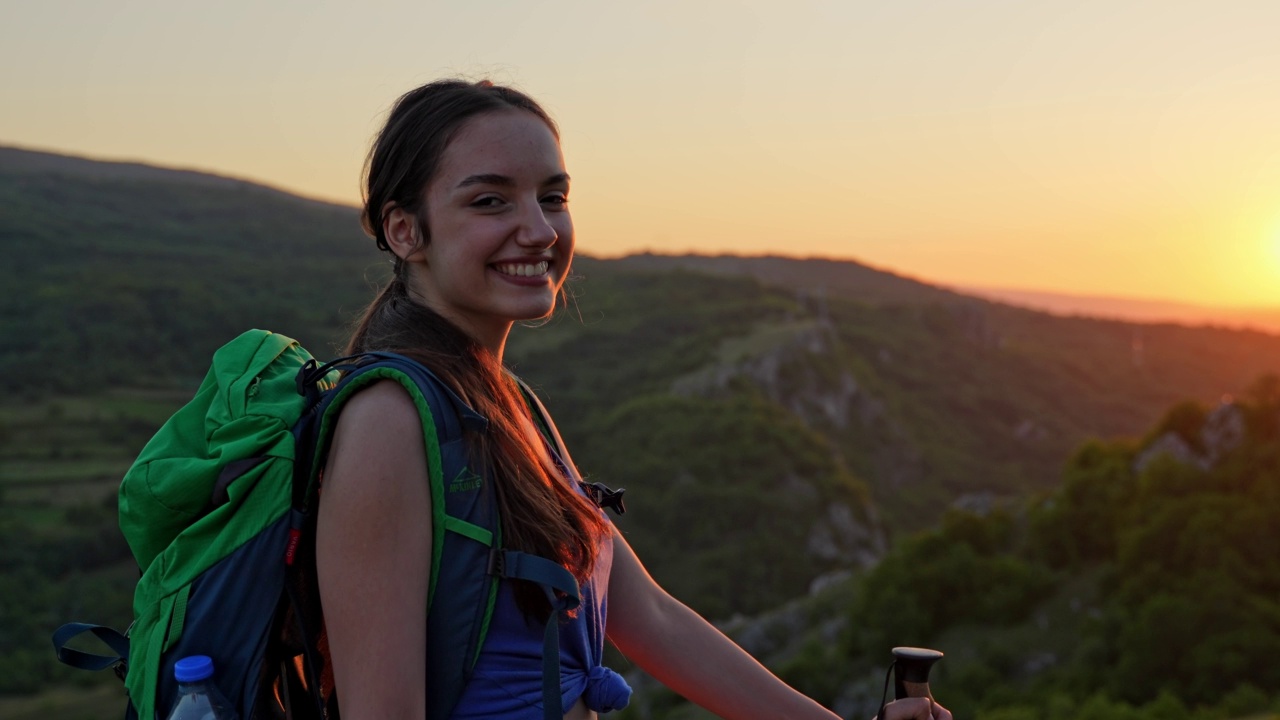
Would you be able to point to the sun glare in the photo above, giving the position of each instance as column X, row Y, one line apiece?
column 1274, row 247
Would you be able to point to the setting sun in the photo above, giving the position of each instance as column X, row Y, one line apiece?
column 1068, row 148
column 1274, row 247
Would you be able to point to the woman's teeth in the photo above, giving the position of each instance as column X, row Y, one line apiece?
column 539, row 268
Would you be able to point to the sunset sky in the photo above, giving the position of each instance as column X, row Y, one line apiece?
column 1117, row 148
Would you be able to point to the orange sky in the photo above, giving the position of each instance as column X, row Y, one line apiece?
column 1115, row 148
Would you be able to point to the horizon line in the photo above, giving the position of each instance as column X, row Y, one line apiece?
column 963, row 288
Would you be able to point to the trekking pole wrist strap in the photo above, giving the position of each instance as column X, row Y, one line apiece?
column 112, row 638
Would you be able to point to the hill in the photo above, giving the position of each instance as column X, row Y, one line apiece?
column 133, row 274
column 777, row 421
column 126, row 275
column 930, row 396
column 818, row 277
column 1140, row 589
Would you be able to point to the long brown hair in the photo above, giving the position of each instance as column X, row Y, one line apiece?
column 540, row 512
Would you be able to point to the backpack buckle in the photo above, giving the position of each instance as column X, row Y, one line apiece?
column 306, row 383
column 604, row 497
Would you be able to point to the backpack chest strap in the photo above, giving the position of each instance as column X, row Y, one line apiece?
column 552, row 578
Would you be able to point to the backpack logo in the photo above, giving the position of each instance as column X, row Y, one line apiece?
column 465, row 481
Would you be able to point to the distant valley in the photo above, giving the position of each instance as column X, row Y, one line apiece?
column 1265, row 319
column 785, row 428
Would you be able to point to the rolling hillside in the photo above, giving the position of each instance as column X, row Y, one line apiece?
column 122, row 275
column 777, row 422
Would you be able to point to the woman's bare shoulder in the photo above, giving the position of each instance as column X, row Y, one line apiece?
column 379, row 427
column 382, row 402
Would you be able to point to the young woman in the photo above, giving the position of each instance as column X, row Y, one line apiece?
column 467, row 189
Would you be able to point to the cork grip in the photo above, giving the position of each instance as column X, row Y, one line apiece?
column 911, row 667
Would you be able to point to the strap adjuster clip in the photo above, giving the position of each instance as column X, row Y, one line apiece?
column 497, row 563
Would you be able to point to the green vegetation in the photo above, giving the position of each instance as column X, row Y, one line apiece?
column 702, row 499
column 60, row 463
column 926, row 395
column 1143, row 587
column 63, row 565
column 119, row 275
column 64, row 703
column 773, row 420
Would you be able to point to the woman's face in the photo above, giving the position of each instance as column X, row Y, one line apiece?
column 501, row 238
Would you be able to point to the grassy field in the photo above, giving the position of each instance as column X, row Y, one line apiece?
column 70, row 450
column 61, row 461
column 103, row 700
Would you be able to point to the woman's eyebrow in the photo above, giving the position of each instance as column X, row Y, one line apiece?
column 504, row 181
column 487, row 179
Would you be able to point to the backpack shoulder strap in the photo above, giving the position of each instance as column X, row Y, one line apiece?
column 549, row 431
column 602, row 495
column 465, row 525
column 467, row 555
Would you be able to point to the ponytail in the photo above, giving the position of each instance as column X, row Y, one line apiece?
column 541, row 513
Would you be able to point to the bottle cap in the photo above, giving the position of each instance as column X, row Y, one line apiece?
column 193, row 668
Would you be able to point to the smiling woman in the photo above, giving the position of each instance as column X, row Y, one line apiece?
column 467, row 189
column 501, row 237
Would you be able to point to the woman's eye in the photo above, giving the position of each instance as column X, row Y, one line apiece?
column 556, row 200
column 490, row 201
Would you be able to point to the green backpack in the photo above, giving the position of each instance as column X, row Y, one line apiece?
column 219, row 511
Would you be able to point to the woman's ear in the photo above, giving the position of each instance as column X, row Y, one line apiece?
column 402, row 231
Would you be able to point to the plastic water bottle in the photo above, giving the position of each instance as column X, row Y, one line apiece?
column 198, row 697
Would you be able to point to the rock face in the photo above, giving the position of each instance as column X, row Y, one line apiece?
column 789, row 365
column 1223, row 431
column 1171, row 445
column 841, row 536
column 779, row 361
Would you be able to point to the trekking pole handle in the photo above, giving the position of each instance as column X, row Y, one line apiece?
column 911, row 667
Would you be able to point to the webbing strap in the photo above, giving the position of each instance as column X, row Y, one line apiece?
column 552, row 577
column 551, row 706
column 177, row 616
column 118, row 643
column 466, row 529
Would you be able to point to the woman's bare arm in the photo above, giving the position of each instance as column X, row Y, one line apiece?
column 687, row 654
column 373, row 556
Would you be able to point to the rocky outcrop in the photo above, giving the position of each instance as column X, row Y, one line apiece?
column 1223, row 431
column 842, row 537
column 796, row 367
column 801, row 366
column 1169, row 445
column 778, row 360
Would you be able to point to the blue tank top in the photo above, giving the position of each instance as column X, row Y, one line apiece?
column 507, row 679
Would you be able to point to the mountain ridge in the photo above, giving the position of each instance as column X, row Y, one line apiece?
column 778, row 423
column 1105, row 307
column 1260, row 318
column 160, row 269
column 14, row 158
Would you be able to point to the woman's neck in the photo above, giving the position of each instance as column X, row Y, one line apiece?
column 491, row 334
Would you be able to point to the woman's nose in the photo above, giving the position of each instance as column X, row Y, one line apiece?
column 534, row 230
